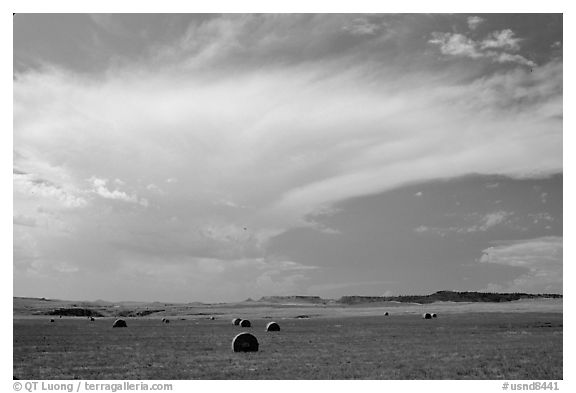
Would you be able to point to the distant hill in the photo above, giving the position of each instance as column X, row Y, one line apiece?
column 75, row 312
column 446, row 296
column 293, row 299
column 43, row 306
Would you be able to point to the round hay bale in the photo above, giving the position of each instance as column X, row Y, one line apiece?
column 245, row 342
column 163, row 319
column 212, row 318
column 245, row 323
column 272, row 327
column 427, row 316
column 166, row 320
column 386, row 314
column 236, row 321
column 119, row 323
column 434, row 315
column 51, row 320
column 92, row 319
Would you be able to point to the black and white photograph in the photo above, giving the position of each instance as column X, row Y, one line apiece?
column 287, row 196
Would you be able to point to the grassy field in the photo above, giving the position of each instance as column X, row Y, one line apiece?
column 459, row 345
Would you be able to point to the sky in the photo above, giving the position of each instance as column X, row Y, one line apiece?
column 200, row 157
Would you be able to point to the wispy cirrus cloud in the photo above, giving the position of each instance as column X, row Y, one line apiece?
column 362, row 26
column 511, row 58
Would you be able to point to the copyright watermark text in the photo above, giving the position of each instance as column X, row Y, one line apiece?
column 85, row 386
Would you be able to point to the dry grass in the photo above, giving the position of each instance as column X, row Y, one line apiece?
column 456, row 346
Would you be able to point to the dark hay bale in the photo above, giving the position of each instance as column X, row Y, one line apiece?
column 119, row 323
column 386, row 314
column 212, row 318
column 427, row 316
column 245, row 323
column 166, row 320
column 272, row 327
column 434, row 315
column 163, row 319
column 245, row 342
column 51, row 320
column 236, row 321
column 92, row 319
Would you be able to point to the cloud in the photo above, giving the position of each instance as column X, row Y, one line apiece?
column 541, row 257
column 153, row 187
column 20, row 219
column 541, row 217
column 510, row 58
column 250, row 39
column 474, row 22
column 492, row 219
column 361, row 26
column 421, row 229
column 496, row 47
column 261, row 149
column 480, row 223
column 503, row 39
column 32, row 187
column 247, row 139
column 456, row 45
column 100, row 188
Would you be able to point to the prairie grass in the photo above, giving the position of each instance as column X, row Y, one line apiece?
column 454, row 346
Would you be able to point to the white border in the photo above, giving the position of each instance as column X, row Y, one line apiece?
column 250, row 6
